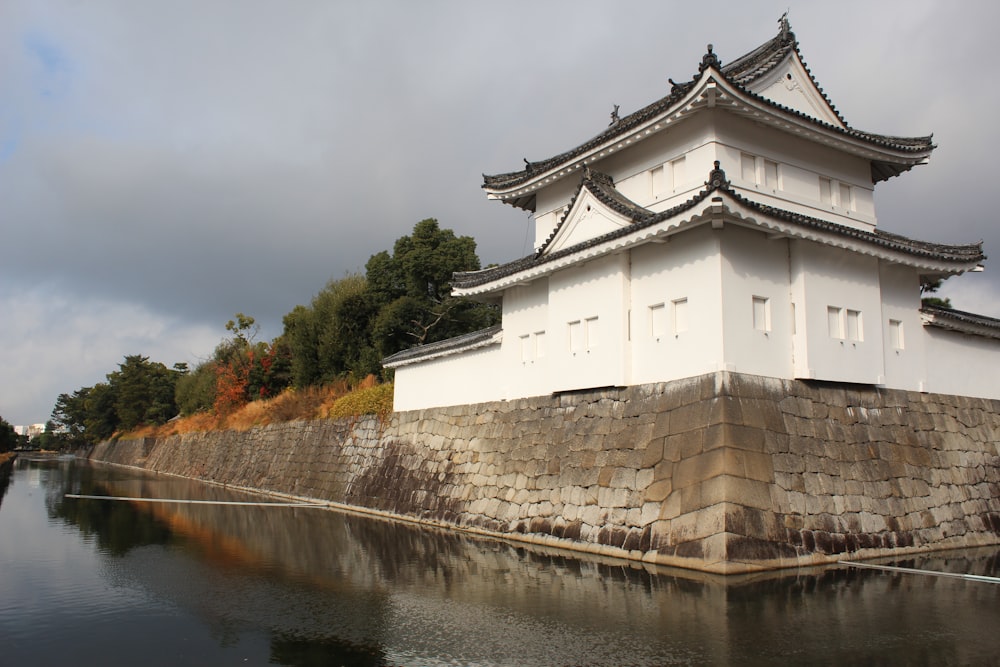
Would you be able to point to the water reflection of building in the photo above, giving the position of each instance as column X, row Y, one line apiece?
column 351, row 582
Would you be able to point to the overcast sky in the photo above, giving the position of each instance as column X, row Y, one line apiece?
column 166, row 164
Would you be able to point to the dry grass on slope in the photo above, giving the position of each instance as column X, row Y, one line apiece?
column 331, row 401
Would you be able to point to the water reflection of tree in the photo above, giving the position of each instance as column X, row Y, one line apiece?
column 116, row 526
column 313, row 652
column 6, row 475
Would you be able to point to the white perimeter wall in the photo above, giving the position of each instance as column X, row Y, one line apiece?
column 452, row 380
column 962, row 364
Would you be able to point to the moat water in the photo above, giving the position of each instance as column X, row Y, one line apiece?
column 103, row 582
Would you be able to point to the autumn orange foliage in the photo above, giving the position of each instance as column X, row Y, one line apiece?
column 290, row 405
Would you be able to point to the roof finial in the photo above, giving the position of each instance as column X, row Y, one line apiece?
column 785, row 27
column 717, row 178
column 709, row 60
column 614, row 116
column 527, row 165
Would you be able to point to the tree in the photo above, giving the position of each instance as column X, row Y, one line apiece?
column 195, row 390
column 143, row 392
column 331, row 338
column 928, row 286
column 8, row 436
column 412, row 289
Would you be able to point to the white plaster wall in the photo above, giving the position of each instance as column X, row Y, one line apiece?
column 905, row 359
column 962, row 364
column 592, row 298
column 801, row 163
column 821, row 277
column 526, row 342
column 754, row 266
column 453, row 380
column 686, row 267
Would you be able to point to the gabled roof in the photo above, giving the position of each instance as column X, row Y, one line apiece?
column 889, row 155
column 718, row 201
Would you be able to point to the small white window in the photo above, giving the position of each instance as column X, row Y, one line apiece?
column 592, row 333
column 761, row 313
column 825, row 190
column 677, row 173
column 834, row 322
column 846, row 201
column 679, row 315
column 748, row 165
column 658, row 180
column 896, row 334
column 575, row 336
column 854, row 325
column 657, row 320
column 526, row 355
column 771, row 175
column 794, row 325
column 540, row 344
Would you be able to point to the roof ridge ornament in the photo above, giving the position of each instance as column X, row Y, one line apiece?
column 786, row 28
column 614, row 116
column 709, row 60
column 717, row 178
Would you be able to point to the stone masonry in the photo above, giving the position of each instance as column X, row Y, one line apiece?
column 724, row 472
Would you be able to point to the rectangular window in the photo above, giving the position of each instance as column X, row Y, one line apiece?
column 657, row 320
column 896, row 334
column 771, row 175
column 834, row 323
column 761, row 313
column 748, row 166
column 845, row 197
column 794, row 325
column 826, row 190
column 540, row 344
column 679, row 315
column 677, row 173
column 591, row 333
column 854, row 325
column 657, row 180
column 575, row 336
column 525, row 348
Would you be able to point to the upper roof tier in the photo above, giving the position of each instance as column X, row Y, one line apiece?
column 754, row 85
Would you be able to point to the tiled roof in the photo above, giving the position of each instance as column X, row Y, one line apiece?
column 445, row 347
column 717, row 183
column 740, row 73
column 958, row 320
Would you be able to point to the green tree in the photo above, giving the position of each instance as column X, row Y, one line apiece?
column 929, row 287
column 412, row 289
column 8, row 436
column 331, row 338
column 143, row 392
column 195, row 390
column 69, row 417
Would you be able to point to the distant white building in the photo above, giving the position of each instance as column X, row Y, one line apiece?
column 31, row 430
column 727, row 226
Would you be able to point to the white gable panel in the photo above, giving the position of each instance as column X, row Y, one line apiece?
column 588, row 219
column 790, row 85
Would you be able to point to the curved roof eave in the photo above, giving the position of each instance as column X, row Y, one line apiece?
column 517, row 188
column 933, row 257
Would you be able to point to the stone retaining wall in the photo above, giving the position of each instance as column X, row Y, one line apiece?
column 724, row 472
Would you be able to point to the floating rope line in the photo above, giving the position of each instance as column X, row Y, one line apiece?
column 933, row 573
column 192, row 502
